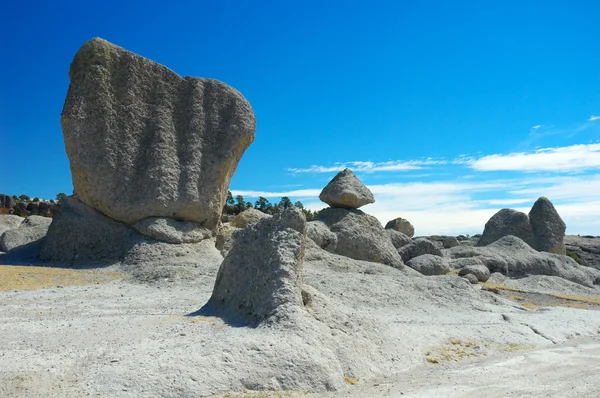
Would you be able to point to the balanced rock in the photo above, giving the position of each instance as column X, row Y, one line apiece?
column 144, row 142
column 547, row 227
column 360, row 236
column 401, row 225
column 507, row 222
column 260, row 277
column 346, row 191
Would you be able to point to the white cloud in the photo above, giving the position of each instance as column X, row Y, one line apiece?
column 561, row 159
column 367, row 166
column 299, row 193
column 537, row 126
column 593, row 118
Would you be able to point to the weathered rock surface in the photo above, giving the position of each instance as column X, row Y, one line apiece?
column 547, row 227
column 248, row 217
column 398, row 238
column 321, row 235
column 401, row 225
column 360, row 236
column 81, row 236
column 507, row 222
column 429, row 264
column 224, row 240
column 479, row 270
column 31, row 231
column 445, row 241
column 144, row 142
column 346, row 191
column 511, row 256
column 458, row 263
column 471, row 278
column 262, row 272
column 172, row 231
column 587, row 248
column 8, row 222
column 418, row 247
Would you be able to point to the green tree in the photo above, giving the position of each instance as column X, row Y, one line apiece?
column 36, row 199
column 248, row 205
column 240, row 205
column 285, row 203
column 299, row 205
column 60, row 196
column 24, row 198
column 262, row 204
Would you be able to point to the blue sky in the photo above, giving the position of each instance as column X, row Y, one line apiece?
column 448, row 111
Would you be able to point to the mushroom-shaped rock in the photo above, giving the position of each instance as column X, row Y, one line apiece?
column 346, row 191
column 507, row 222
column 401, row 225
column 145, row 142
column 261, row 275
column 547, row 227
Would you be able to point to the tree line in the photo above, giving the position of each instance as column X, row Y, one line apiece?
column 239, row 204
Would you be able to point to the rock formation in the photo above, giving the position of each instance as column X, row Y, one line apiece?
column 346, row 191
column 429, row 264
column 248, row 217
column 542, row 229
column 30, row 231
column 144, row 142
column 261, row 274
column 398, row 238
column 418, row 247
column 401, row 225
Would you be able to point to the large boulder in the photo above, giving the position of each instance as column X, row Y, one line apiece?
column 507, row 222
column 401, row 225
column 547, row 227
column 346, row 191
column 429, row 264
column 321, row 235
column 144, row 142
column 260, row 277
column 31, row 231
column 418, row 247
column 513, row 257
column 248, row 217
column 360, row 236
column 479, row 270
column 8, row 222
column 586, row 249
column 398, row 238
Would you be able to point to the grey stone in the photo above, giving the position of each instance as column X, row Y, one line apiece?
column 547, row 227
column 507, row 222
column 32, row 230
column 225, row 239
column 144, row 142
column 512, row 257
column 172, row 231
column 429, row 264
column 401, row 225
column 360, row 236
column 8, row 222
column 587, row 248
column 459, row 263
column 261, row 274
column 418, row 247
column 248, row 217
column 346, row 191
column 398, row 238
column 321, row 235
column 471, row 278
column 479, row 270
column 445, row 241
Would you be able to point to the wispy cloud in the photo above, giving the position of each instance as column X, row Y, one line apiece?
column 593, row 118
column 369, row 167
column 300, row 193
column 537, row 126
column 561, row 159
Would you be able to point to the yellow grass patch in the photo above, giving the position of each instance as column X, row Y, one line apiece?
column 30, row 278
column 583, row 299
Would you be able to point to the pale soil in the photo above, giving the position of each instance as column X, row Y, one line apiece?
column 394, row 336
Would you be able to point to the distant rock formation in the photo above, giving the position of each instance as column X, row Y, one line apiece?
column 144, row 142
column 346, row 191
column 542, row 229
column 401, row 225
